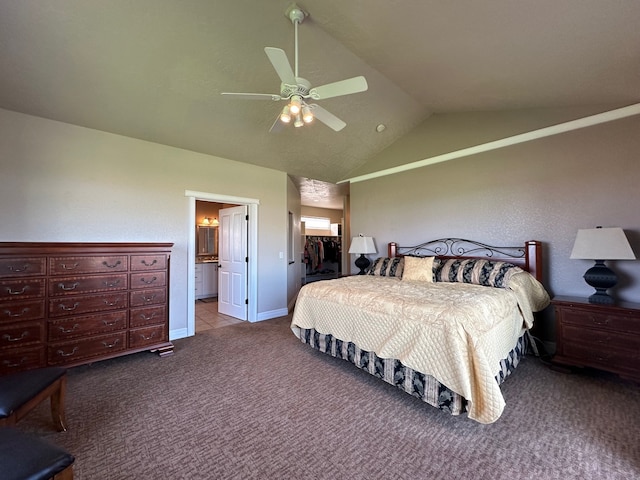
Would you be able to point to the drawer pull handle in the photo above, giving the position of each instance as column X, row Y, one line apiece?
column 8, row 363
column 149, row 299
column 63, row 354
column 150, row 317
column 144, row 337
column 113, row 303
column 69, row 309
column 109, row 324
column 9, row 338
column 69, row 267
column 600, row 321
column 144, row 262
column 73, row 286
column 111, row 284
column 148, row 282
column 11, row 292
column 19, row 314
column 18, row 269
column 111, row 345
column 69, row 330
column 114, row 265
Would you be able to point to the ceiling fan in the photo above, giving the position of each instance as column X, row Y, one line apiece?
column 298, row 91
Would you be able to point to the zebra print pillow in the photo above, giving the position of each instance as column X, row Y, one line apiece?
column 387, row 267
column 480, row 272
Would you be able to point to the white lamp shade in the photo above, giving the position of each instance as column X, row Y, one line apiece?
column 362, row 245
column 602, row 244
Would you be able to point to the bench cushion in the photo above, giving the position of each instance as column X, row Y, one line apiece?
column 25, row 456
column 17, row 389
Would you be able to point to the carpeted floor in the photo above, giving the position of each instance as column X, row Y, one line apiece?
column 250, row 401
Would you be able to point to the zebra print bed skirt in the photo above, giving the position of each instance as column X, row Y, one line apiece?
column 392, row 371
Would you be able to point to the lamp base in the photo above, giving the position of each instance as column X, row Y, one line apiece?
column 601, row 278
column 362, row 263
column 602, row 298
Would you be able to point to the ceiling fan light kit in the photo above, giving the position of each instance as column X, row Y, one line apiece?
column 297, row 90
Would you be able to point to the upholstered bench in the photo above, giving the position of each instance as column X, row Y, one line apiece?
column 22, row 392
column 24, row 456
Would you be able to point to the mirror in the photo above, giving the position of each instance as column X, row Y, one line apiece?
column 207, row 240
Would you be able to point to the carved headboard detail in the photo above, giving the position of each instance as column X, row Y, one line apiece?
column 527, row 256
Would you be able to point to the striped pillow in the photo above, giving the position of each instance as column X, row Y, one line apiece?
column 387, row 267
column 477, row 271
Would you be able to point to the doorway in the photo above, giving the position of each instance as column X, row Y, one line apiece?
column 252, row 249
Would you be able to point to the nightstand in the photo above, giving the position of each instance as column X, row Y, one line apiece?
column 606, row 337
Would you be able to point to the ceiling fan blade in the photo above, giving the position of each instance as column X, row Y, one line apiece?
column 280, row 62
column 326, row 117
column 253, row 96
column 336, row 89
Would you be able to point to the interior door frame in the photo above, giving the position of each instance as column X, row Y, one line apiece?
column 252, row 249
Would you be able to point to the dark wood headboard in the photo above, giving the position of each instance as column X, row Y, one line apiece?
column 528, row 257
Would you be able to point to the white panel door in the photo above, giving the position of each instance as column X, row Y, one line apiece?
column 232, row 262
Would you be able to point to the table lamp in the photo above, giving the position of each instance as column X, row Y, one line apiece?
column 363, row 246
column 600, row 244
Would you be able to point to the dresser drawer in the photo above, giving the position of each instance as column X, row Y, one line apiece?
column 603, row 320
column 71, row 265
column 147, row 316
column 21, row 311
column 19, row 359
column 66, row 328
column 148, row 279
column 23, row 267
column 77, row 305
column 148, row 262
column 21, row 334
column 607, row 359
column 142, row 337
column 88, row 284
column 601, row 339
column 19, row 289
column 148, row 297
column 82, row 349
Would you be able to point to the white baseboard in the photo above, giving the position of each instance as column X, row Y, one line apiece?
column 178, row 333
column 281, row 312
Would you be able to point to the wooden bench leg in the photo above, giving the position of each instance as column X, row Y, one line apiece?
column 66, row 474
column 57, row 405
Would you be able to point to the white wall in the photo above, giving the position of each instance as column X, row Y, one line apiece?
column 541, row 190
column 62, row 183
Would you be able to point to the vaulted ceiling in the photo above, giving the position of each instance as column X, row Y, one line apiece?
column 155, row 69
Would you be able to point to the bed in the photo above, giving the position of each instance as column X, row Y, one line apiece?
column 446, row 321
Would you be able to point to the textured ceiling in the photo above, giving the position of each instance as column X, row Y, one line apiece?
column 154, row 69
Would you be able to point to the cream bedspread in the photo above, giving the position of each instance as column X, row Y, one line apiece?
column 456, row 332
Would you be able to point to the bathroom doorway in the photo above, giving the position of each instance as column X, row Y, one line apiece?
column 252, row 251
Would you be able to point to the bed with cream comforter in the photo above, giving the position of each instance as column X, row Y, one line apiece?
column 456, row 332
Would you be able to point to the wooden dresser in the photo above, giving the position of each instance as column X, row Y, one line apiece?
column 606, row 337
column 75, row 303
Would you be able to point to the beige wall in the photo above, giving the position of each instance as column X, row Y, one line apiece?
column 334, row 215
column 63, row 183
column 541, row 190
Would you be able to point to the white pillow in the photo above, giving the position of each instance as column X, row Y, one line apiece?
column 418, row 269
